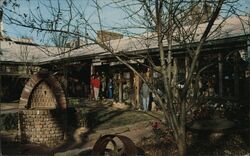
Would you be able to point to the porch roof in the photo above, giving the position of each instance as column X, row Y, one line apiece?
column 232, row 29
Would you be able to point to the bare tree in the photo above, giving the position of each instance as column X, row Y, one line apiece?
column 164, row 22
column 177, row 22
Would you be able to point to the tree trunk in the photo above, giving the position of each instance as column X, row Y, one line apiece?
column 181, row 142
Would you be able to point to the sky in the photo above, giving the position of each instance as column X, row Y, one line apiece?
column 109, row 15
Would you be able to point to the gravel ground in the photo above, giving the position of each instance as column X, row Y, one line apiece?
column 199, row 144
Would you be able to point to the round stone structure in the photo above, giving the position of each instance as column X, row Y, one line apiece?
column 42, row 111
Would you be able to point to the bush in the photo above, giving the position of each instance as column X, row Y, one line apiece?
column 9, row 121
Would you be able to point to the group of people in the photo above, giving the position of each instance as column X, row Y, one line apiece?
column 100, row 88
column 98, row 83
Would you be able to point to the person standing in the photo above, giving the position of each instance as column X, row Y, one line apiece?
column 110, row 89
column 96, row 86
column 91, row 87
column 103, row 85
column 145, row 96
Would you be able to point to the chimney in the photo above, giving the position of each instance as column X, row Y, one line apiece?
column 104, row 36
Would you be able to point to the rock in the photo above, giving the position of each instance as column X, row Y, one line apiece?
column 120, row 105
column 79, row 134
column 154, row 107
column 227, row 152
column 214, row 137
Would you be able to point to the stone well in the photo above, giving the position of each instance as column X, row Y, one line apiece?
column 42, row 111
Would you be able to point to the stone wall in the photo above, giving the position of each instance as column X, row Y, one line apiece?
column 42, row 127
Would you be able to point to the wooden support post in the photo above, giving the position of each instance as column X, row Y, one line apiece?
column 90, row 91
column 137, row 91
column 1, row 91
column 220, row 75
column 186, row 66
column 120, row 87
column 247, row 90
column 248, row 52
column 92, row 69
column 236, row 77
column 175, row 70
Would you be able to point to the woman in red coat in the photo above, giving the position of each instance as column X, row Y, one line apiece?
column 96, row 83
